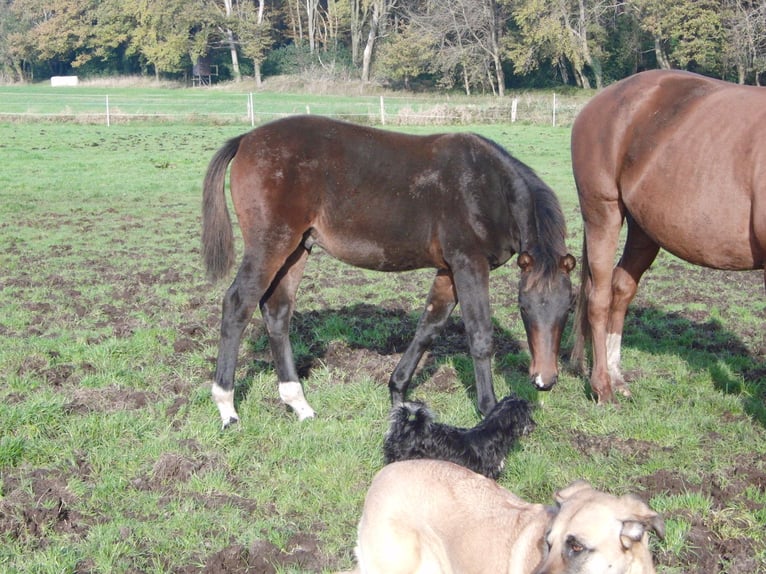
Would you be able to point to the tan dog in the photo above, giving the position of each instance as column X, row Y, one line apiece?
column 434, row 517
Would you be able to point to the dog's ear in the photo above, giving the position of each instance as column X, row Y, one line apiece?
column 633, row 530
column 643, row 519
column 571, row 490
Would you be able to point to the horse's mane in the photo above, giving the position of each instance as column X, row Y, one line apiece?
column 548, row 244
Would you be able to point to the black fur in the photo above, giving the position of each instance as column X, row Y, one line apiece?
column 413, row 433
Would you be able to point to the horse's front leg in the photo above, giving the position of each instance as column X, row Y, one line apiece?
column 472, row 283
column 441, row 301
column 277, row 308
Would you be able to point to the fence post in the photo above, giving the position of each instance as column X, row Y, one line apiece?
column 382, row 112
column 514, row 107
column 554, row 109
column 108, row 119
column 250, row 109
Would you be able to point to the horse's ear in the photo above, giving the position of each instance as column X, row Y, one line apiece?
column 568, row 263
column 525, row 261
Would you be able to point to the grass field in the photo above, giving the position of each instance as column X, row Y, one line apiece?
column 111, row 455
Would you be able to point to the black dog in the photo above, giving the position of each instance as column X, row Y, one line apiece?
column 414, row 434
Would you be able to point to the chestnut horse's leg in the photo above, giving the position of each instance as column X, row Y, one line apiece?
column 602, row 232
column 610, row 291
column 439, row 305
column 637, row 256
column 277, row 308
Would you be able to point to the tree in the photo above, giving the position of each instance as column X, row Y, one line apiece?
column 744, row 22
column 467, row 40
column 560, row 32
column 57, row 30
column 696, row 35
column 377, row 11
column 406, row 56
column 253, row 31
column 168, row 32
column 230, row 40
column 16, row 49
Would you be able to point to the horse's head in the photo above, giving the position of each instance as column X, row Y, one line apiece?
column 545, row 299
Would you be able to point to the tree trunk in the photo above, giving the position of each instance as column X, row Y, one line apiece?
column 232, row 44
column 371, row 37
column 662, row 59
column 257, row 63
column 357, row 21
column 311, row 22
column 500, row 75
column 495, row 28
column 582, row 35
column 466, row 82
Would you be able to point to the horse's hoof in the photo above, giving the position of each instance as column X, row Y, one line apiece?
column 304, row 413
column 606, row 398
column 230, row 422
column 623, row 389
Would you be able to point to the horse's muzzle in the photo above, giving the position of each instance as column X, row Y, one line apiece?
column 541, row 384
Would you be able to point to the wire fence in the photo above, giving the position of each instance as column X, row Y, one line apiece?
column 88, row 105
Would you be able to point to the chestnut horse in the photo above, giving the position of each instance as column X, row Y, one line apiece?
column 391, row 202
column 682, row 159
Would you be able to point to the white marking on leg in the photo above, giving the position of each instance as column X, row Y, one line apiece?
column 291, row 394
column 613, row 350
column 613, row 358
column 225, row 401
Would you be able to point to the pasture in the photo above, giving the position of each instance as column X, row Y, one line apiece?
column 111, row 455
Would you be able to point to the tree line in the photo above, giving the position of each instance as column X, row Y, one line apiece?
column 471, row 45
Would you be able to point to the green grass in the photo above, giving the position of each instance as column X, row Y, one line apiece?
column 108, row 331
column 103, row 103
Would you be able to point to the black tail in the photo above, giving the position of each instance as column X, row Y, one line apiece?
column 580, row 325
column 413, row 415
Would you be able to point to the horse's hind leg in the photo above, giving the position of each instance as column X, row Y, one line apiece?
column 637, row 256
column 239, row 302
column 277, row 308
column 440, row 302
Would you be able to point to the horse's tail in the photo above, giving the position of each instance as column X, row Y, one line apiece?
column 217, row 235
column 581, row 327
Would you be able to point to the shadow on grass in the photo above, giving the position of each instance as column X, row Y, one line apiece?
column 708, row 346
column 383, row 333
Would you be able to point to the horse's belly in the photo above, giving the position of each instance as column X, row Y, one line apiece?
column 720, row 236
column 379, row 255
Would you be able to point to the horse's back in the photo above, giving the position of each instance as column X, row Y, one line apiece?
column 373, row 198
column 685, row 155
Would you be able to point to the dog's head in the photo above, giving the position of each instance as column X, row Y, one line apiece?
column 513, row 414
column 594, row 532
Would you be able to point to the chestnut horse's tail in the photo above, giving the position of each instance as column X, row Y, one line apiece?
column 217, row 235
column 581, row 326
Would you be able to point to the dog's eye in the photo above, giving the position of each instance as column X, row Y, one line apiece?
column 574, row 547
